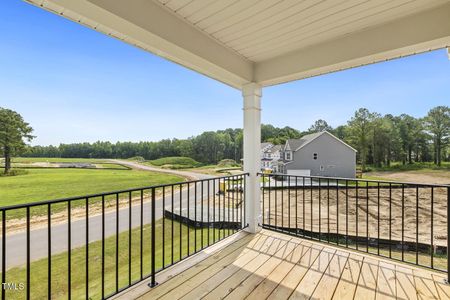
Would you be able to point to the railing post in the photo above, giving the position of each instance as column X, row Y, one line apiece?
column 153, row 282
column 448, row 235
column 252, row 143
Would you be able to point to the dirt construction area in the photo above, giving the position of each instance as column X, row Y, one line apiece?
column 412, row 214
column 419, row 176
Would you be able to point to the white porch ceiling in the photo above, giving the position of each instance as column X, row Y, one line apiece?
column 267, row 41
column 261, row 30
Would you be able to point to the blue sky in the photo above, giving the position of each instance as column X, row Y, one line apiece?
column 74, row 84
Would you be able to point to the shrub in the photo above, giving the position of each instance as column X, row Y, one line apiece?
column 176, row 162
column 14, row 172
column 227, row 163
column 176, row 167
column 137, row 158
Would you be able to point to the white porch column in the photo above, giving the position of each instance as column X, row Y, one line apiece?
column 252, row 160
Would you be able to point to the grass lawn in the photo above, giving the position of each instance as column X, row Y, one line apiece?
column 49, row 184
column 55, row 159
column 39, row 278
column 56, row 165
column 46, row 162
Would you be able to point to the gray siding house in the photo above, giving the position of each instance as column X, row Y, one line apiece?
column 318, row 154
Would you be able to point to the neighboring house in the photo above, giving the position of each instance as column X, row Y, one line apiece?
column 270, row 156
column 318, row 154
column 264, row 148
column 264, row 158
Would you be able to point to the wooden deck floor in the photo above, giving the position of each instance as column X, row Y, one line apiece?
column 271, row 265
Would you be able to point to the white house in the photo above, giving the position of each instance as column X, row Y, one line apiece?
column 318, row 154
column 270, row 155
column 264, row 148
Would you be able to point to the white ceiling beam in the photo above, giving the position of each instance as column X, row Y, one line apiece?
column 147, row 25
column 417, row 33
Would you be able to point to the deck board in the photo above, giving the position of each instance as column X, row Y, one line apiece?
column 265, row 288
column 271, row 265
column 254, row 279
column 367, row 283
column 330, row 279
column 291, row 280
column 218, row 272
column 308, row 284
column 386, row 282
column 349, row 278
column 406, row 288
column 217, row 287
column 442, row 287
column 425, row 286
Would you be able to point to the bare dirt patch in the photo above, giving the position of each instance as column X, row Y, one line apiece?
column 419, row 176
column 387, row 214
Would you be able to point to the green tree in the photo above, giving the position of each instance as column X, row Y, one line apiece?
column 392, row 141
column 409, row 128
column 14, row 131
column 437, row 122
column 380, row 140
column 340, row 132
column 319, row 126
column 359, row 130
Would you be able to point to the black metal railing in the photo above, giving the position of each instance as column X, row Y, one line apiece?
column 408, row 222
column 96, row 246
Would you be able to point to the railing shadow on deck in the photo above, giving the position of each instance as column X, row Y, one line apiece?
column 403, row 221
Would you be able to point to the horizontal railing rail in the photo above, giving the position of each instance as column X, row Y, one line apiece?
column 404, row 221
column 95, row 246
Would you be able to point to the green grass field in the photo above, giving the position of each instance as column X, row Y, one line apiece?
column 50, row 162
column 39, row 278
column 48, row 184
column 55, row 159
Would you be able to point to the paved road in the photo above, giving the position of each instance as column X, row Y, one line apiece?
column 135, row 165
column 16, row 243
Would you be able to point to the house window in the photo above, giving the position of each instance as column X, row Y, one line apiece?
column 314, row 155
column 288, row 155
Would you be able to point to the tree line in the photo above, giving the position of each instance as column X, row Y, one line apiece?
column 379, row 139
column 209, row 147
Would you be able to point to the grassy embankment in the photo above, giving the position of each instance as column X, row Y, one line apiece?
column 175, row 162
column 224, row 167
